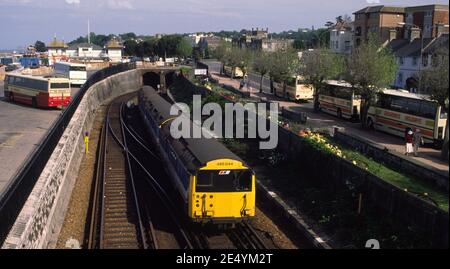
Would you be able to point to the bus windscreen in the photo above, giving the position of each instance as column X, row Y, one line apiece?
column 77, row 68
column 60, row 86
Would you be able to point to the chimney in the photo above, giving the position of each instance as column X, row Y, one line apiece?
column 392, row 34
column 414, row 34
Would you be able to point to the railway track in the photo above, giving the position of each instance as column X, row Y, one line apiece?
column 132, row 203
column 117, row 219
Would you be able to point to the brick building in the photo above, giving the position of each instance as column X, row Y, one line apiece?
column 431, row 19
column 378, row 20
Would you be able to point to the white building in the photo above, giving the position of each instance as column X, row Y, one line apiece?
column 409, row 59
column 56, row 51
column 85, row 50
column 114, row 50
column 341, row 37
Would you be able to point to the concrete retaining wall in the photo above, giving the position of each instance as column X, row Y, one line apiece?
column 395, row 160
column 40, row 221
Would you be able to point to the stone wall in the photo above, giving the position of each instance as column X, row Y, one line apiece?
column 394, row 159
column 392, row 202
column 39, row 223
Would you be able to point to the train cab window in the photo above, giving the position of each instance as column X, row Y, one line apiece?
column 224, row 181
column 204, row 180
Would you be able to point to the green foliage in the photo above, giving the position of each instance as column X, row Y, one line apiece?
column 434, row 81
column 40, row 46
column 371, row 68
column 284, row 65
column 184, row 48
column 318, row 66
column 412, row 185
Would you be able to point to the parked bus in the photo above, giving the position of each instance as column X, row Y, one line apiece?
column 76, row 73
column 234, row 72
column 339, row 99
column 296, row 89
column 37, row 91
column 396, row 110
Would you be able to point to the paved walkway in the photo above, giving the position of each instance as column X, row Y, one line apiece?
column 427, row 155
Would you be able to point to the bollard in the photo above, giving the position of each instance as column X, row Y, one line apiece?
column 86, row 142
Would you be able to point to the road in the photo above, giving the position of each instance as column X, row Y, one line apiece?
column 427, row 155
column 22, row 127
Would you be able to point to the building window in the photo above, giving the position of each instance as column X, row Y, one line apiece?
column 429, row 14
column 337, row 44
column 400, row 79
column 347, row 46
column 358, row 31
column 400, row 60
column 414, row 61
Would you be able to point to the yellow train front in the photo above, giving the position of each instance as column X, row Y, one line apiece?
column 214, row 184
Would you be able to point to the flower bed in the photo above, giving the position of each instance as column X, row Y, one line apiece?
column 421, row 189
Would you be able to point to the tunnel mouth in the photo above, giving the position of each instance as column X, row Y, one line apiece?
column 151, row 79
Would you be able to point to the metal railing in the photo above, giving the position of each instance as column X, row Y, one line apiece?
column 17, row 191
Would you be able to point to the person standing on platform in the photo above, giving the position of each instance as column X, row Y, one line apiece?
column 417, row 141
column 409, row 142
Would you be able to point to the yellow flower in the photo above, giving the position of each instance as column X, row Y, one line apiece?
column 354, row 162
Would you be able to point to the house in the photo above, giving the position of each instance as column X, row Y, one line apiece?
column 258, row 39
column 413, row 55
column 56, row 51
column 85, row 51
column 429, row 18
column 341, row 37
column 114, row 50
column 378, row 20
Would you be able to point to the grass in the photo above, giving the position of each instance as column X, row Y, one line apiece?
column 410, row 184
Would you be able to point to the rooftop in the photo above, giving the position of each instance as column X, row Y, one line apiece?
column 84, row 45
column 381, row 9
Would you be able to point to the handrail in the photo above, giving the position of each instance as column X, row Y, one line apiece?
column 17, row 191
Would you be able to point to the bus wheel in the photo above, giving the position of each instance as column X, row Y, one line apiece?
column 370, row 124
column 339, row 113
column 34, row 102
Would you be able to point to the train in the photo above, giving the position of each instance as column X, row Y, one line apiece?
column 214, row 185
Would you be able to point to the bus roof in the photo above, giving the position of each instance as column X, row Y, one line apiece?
column 50, row 79
column 406, row 94
column 340, row 83
column 71, row 64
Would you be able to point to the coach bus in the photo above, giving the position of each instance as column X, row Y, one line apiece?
column 296, row 89
column 235, row 72
column 76, row 73
column 40, row 92
column 338, row 98
column 396, row 110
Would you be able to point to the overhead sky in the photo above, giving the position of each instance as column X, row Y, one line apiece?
column 22, row 22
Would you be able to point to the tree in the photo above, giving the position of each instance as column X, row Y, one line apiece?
column 40, row 46
column 370, row 68
column 221, row 52
column 284, row 66
column 318, row 66
column 184, row 48
column 434, row 81
column 262, row 64
column 130, row 47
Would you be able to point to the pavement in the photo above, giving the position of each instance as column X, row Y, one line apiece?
column 22, row 128
column 427, row 155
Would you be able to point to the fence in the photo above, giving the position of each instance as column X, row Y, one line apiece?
column 17, row 192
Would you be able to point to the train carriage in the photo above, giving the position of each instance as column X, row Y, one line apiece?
column 37, row 91
column 215, row 185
